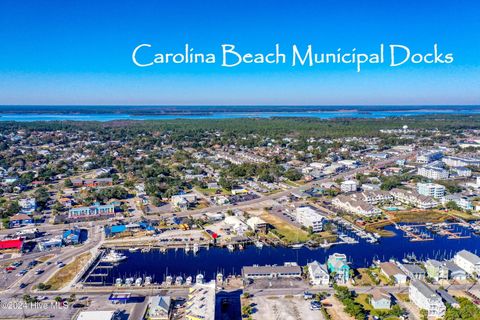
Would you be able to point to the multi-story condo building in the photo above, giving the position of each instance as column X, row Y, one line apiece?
column 425, row 298
column 414, row 198
column 434, row 190
column 460, row 162
column 463, row 202
column 351, row 203
column 309, row 218
column 94, row 211
column 468, row 261
column 348, row 186
column 433, row 173
column 436, row 270
column 430, row 156
column 375, row 197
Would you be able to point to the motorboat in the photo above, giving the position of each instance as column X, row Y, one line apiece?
column 113, row 257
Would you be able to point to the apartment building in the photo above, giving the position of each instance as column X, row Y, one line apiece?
column 460, row 161
column 429, row 156
column 434, row 190
column 94, row 211
column 349, row 186
column 309, row 218
column 353, row 204
column 425, row 298
column 433, row 173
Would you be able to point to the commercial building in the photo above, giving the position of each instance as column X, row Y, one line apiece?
column 20, row 220
column 103, row 182
column 96, row 315
column 159, row 308
column 94, row 211
column 434, row 190
column 425, row 298
column 288, row 270
column 309, row 218
column 16, row 244
column 429, row 156
column 200, row 303
column 257, row 224
column 460, row 161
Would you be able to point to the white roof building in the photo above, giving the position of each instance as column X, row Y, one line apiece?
column 309, row 217
column 96, row 315
column 468, row 261
column 201, row 302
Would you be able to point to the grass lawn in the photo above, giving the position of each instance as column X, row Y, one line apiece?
column 66, row 274
column 362, row 298
column 434, row 216
column 212, row 191
column 290, row 233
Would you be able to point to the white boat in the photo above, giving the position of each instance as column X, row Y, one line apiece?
column 259, row 244
column 187, row 248
column 195, row 248
column 240, row 246
column 188, row 281
column 129, row 281
column 118, row 282
column 297, row 246
column 148, row 281
column 113, row 257
column 178, row 281
column 138, row 282
column 168, row 280
column 199, row 278
column 230, row 247
column 133, row 249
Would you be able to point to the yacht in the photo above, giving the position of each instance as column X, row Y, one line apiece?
column 138, row 282
column 113, row 257
column 259, row 244
column 148, row 281
column 133, row 249
column 188, row 281
column 230, row 247
column 178, row 281
column 187, row 248
column 168, row 280
column 118, row 282
column 195, row 248
column 128, row 281
column 297, row 246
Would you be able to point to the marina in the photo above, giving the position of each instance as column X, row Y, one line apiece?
column 157, row 265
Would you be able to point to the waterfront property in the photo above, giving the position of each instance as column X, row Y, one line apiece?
column 95, row 211
column 200, row 304
column 434, row 190
column 392, row 271
column 468, row 261
column 436, row 270
column 288, row 270
column 309, row 218
column 425, row 298
column 414, row 198
column 318, row 274
column 337, row 263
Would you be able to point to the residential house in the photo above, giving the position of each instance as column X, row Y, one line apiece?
column 318, row 274
column 413, row 271
column 380, row 299
column 436, row 270
column 20, row 220
column 337, row 263
column 257, row 224
column 392, row 271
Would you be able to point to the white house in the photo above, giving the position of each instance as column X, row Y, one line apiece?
column 468, row 261
column 425, row 298
column 318, row 274
column 348, row 186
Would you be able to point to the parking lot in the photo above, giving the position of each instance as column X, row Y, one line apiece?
column 284, row 307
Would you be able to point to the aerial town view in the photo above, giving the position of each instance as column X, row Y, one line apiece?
column 201, row 161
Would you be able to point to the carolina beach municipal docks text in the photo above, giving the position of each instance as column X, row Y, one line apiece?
column 145, row 55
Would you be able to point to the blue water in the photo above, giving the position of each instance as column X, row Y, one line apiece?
column 209, row 262
column 158, row 113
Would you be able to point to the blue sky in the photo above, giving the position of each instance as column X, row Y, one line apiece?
column 79, row 52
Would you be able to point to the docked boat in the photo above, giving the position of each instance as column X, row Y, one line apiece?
column 195, row 248
column 168, row 280
column 148, row 281
column 128, row 281
column 118, row 282
column 178, row 281
column 188, row 281
column 296, row 246
column 138, row 282
column 133, row 249
column 259, row 244
column 199, row 278
column 240, row 246
column 113, row 257
column 230, row 247
column 187, row 248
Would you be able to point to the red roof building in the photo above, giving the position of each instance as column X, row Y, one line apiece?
column 11, row 244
